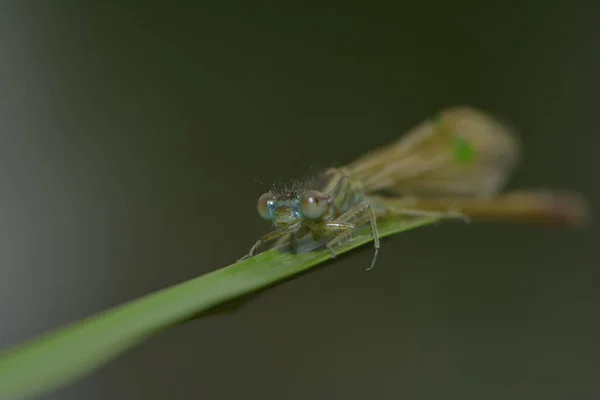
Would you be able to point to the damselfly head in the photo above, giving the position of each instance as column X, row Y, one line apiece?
column 291, row 207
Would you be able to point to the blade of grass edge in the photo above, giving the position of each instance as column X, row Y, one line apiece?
column 60, row 357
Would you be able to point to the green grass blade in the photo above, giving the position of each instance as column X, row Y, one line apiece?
column 60, row 357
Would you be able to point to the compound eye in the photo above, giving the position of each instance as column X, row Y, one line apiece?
column 313, row 204
column 265, row 202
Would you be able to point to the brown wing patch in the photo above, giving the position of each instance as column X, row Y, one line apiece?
column 463, row 152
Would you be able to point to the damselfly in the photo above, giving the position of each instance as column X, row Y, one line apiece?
column 451, row 166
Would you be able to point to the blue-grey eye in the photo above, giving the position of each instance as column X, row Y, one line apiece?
column 313, row 204
column 264, row 204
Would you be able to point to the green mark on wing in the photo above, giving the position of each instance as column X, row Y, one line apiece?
column 464, row 152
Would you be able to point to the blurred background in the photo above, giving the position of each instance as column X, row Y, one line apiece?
column 130, row 139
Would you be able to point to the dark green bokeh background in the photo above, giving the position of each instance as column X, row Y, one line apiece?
column 131, row 137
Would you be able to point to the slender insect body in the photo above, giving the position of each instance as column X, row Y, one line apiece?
column 451, row 166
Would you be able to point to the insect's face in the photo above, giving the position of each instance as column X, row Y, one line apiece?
column 290, row 208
